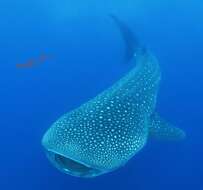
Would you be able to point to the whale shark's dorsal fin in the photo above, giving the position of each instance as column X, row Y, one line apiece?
column 133, row 47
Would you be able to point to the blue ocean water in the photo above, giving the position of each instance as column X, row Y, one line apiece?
column 80, row 51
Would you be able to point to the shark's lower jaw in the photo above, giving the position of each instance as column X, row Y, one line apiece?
column 72, row 167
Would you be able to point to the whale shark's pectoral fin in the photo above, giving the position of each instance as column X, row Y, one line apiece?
column 162, row 130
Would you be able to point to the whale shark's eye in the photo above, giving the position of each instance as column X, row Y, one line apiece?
column 72, row 167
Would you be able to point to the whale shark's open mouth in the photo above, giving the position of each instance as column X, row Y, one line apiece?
column 72, row 167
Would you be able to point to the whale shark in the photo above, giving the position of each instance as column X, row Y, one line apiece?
column 105, row 132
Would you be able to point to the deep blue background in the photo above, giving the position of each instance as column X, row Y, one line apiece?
column 85, row 52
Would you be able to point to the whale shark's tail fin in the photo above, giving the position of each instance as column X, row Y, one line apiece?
column 133, row 46
column 161, row 129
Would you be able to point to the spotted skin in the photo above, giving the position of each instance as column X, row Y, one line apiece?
column 109, row 129
column 104, row 133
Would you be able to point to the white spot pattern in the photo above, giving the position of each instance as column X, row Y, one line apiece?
column 108, row 130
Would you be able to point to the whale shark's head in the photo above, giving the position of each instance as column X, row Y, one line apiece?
column 93, row 139
column 70, row 147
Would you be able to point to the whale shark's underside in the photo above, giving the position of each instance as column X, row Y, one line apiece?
column 105, row 132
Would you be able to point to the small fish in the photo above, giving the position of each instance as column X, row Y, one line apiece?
column 28, row 64
column 104, row 133
column 31, row 63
